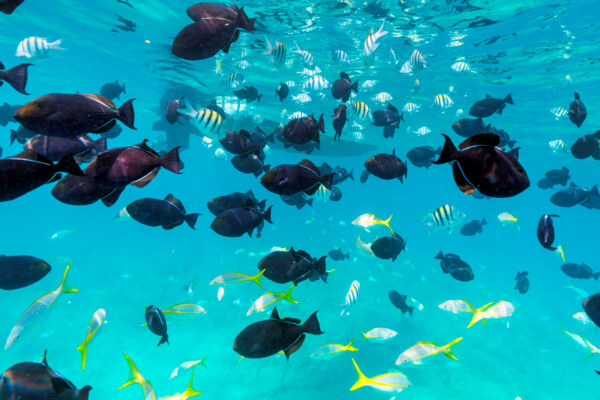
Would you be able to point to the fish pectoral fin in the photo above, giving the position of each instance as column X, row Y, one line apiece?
column 146, row 179
column 461, row 181
column 294, row 346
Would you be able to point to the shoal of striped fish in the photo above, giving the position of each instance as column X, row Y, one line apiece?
column 98, row 319
column 443, row 101
column 371, row 44
column 383, row 97
column 445, row 217
column 185, row 366
column 461, row 66
column 361, row 110
column 389, row 382
column 39, row 309
column 379, row 335
column 417, row 61
column 270, row 298
column 277, row 53
column 411, row 108
column 316, row 82
column 307, row 59
column 501, row 309
column 205, row 119
column 36, row 47
column 234, row 80
column 424, row 349
column 332, row 350
column 340, row 57
column 351, row 298
column 559, row 112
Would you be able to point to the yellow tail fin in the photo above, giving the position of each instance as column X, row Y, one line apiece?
column 190, row 391
column 288, row 295
column 64, row 286
column 561, row 250
column 82, row 348
column 387, row 223
column 256, row 278
column 362, row 379
column 447, row 350
column 134, row 374
column 349, row 346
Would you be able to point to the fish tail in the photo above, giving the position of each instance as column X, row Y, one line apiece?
column 449, row 151
column 448, row 348
column 256, row 278
column 171, row 160
column 191, row 219
column 99, row 145
column 135, row 376
column 387, row 223
column 190, row 391
column 269, row 47
column 312, row 325
column 56, row 45
column 13, row 134
column 126, row 114
column 242, row 21
column 64, row 286
column 354, row 87
column 69, row 165
column 561, row 250
column 17, row 77
column 267, row 215
column 362, row 379
column 82, row 348
column 508, row 99
column 321, row 268
column 349, row 346
column 321, row 124
column 380, row 31
column 164, row 339
column 288, row 295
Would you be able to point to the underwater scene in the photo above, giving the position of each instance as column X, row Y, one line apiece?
column 389, row 199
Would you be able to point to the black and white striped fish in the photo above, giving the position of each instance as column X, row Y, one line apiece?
column 417, row 61
column 205, row 119
column 316, row 82
column 340, row 57
column 234, row 80
column 36, row 47
column 277, row 53
column 307, row 59
column 351, row 298
column 361, row 109
column 443, row 101
column 445, row 217
column 371, row 43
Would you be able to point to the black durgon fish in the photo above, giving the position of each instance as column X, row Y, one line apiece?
column 237, row 221
column 457, row 268
column 422, row 156
column 593, row 200
column 157, row 323
column 7, row 113
column 389, row 119
column 554, row 177
column 8, row 6
column 265, row 338
column 303, row 130
column 293, row 266
column 282, row 91
column 505, row 140
column 36, row 381
column 235, row 200
column 577, row 111
column 489, row 105
column 385, row 166
column 591, row 306
column 579, row 271
column 342, row 87
column 467, row 127
column 289, row 179
column 168, row 213
column 587, row 146
column 545, row 231
column 251, row 163
column 338, row 255
column 479, row 164
column 522, row 284
column 112, row 90
column 570, row 196
column 298, row 200
column 339, row 120
column 239, row 142
column 388, row 247
column 340, row 173
column 15, row 77
column 336, row 194
column 54, row 148
column 473, row 227
column 248, row 93
column 17, row 272
column 399, row 301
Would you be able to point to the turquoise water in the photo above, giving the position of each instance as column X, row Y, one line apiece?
column 123, row 266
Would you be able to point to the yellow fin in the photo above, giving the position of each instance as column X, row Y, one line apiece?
column 64, row 286
column 387, row 223
column 362, row 379
column 447, row 349
column 561, row 250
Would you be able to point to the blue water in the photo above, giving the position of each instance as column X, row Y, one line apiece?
column 123, row 266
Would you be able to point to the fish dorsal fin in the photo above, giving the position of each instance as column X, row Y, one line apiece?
column 33, row 156
column 275, row 315
column 245, row 134
column 99, row 99
column 487, row 96
column 171, row 199
column 292, row 320
column 394, row 152
column 304, row 254
column 250, row 193
column 143, row 146
column 481, row 139
column 344, row 76
column 392, row 108
column 514, row 153
column 308, row 164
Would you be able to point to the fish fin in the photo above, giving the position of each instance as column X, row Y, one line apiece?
column 56, row 45
column 386, row 223
column 448, row 348
column 267, row 215
column 190, row 391
column 126, row 114
column 146, row 179
column 164, row 339
column 112, row 197
column 327, row 180
column 449, row 152
column 462, row 182
column 17, row 77
column 321, row 124
column 275, row 315
column 294, row 346
column 64, row 286
column 320, row 267
column 256, row 279
column 99, row 145
column 82, row 349
column 191, row 219
column 482, row 139
column 362, row 379
column 69, row 165
column 242, row 21
column 508, row 99
column 311, row 325
column 309, row 164
column 171, row 160
column 288, row 295
column 561, row 250
column 269, row 47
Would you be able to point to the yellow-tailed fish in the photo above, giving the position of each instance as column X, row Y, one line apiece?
column 582, row 317
column 508, row 219
column 270, row 298
column 184, row 366
column 390, row 382
column 189, row 392
column 490, row 310
column 332, row 350
column 369, row 220
column 423, row 349
column 236, row 277
column 583, row 343
column 39, row 308
column 98, row 319
column 64, row 232
column 136, row 377
column 379, row 335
